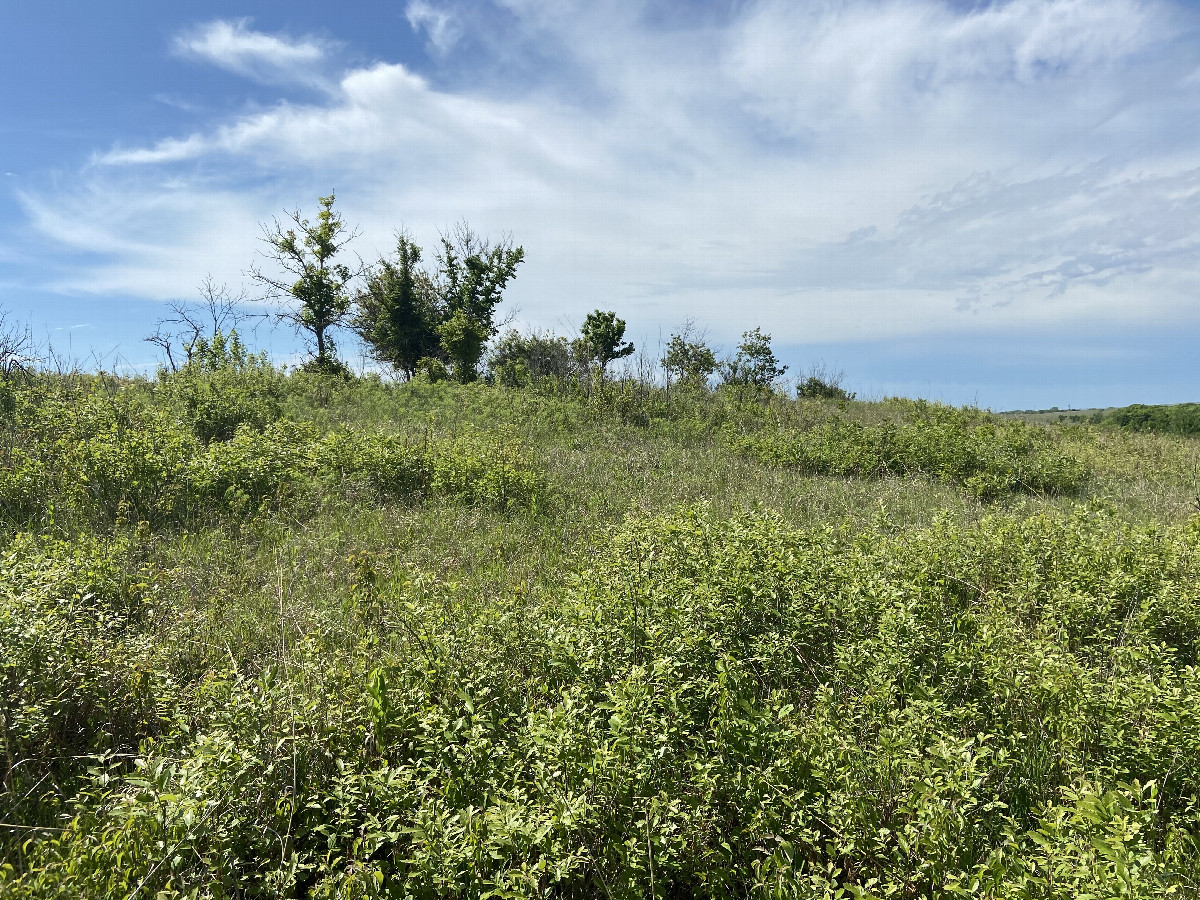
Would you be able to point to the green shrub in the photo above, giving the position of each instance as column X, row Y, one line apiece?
column 222, row 387
column 519, row 360
column 712, row 708
column 254, row 466
column 467, row 468
column 818, row 388
column 432, row 370
column 24, row 496
column 134, row 471
column 1180, row 418
column 94, row 455
column 77, row 675
column 989, row 458
column 101, row 458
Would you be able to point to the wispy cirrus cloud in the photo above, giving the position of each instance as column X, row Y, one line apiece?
column 440, row 24
column 826, row 170
column 267, row 58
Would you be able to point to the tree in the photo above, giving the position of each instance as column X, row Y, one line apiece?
column 822, row 384
column 601, row 339
column 17, row 360
column 397, row 314
column 688, row 358
column 17, row 357
column 408, row 316
column 471, row 277
column 519, row 359
column 755, row 364
column 194, row 324
column 463, row 339
column 321, row 288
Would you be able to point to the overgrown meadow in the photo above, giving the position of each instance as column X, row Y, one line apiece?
column 268, row 634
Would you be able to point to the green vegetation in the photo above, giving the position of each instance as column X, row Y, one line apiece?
column 688, row 359
column 439, row 323
column 550, row 629
column 320, row 292
column 1180, row 418
column 602, row 340
column 275, row 634
column 398, row 316
column 754, row 365
column 99, row 454
column 963, row 447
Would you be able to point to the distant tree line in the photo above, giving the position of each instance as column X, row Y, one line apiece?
column 1179, row 418
column 438, row 320
column 409, row 317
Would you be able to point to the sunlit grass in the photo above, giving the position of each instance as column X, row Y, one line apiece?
column 615, row 646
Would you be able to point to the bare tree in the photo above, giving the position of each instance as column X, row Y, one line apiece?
column 18, row 353
column 217, row 312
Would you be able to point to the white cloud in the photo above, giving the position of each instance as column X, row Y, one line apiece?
column 909, row 64
column 156, row 244
column 268, row 58
column 829, row 171
column 441, row 25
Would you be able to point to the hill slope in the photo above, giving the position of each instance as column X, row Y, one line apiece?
column 270, row 635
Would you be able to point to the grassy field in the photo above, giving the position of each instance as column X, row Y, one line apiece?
column 267, row 635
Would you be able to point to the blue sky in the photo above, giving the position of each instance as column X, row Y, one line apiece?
column 995, row 203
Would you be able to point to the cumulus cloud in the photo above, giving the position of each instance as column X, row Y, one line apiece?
column 827, row 170
column 271, row 59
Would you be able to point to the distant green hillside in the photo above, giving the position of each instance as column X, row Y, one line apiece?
column 1180, row 418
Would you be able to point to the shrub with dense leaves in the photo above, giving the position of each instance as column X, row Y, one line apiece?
column 1179, row 418
column 222, row 387
column 79, row 675
column 712, row 708
column 987, row 457
column 103, row 458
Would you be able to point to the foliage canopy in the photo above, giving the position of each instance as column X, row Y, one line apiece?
column 602, row 339
column 305, row 252
column 689, row 359
column 397, row 313
column 406, row 315
column 754, row 365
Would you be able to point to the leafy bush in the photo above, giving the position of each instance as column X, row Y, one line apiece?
column 466, row 468
column 989, row 458
column 1181, row 418
column 518, row 360
column 100, row 459
column 95, row 453
column 688, row 359
column 754, row 366
column 712, row 708
column 132, row 471
column 222, row 387
column 23, row 486
column 255, row 466
column 77, row 676
column 432, row 370
column 815, row 388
